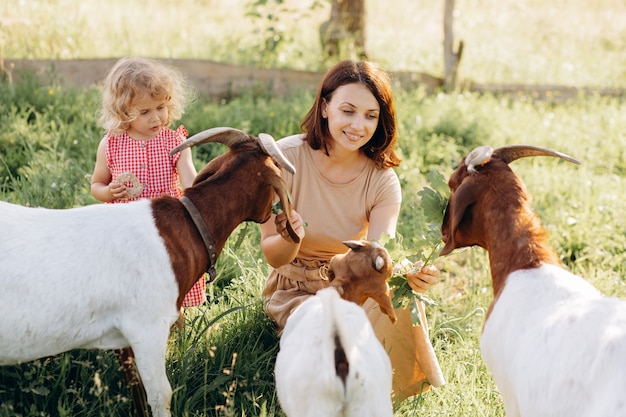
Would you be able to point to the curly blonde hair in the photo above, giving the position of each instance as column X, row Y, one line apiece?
column 132, row 77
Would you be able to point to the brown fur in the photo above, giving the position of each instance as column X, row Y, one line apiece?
column 237, row 186
column 356, row 278
column 232, row 188
column 491, row 209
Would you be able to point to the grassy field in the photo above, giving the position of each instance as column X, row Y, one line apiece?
column 221, row 363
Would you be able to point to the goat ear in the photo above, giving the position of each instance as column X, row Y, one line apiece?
column 285, row 201
column 355, row 245
column 459, row 203
column 384, row 301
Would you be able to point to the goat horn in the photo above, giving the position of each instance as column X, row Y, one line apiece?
column 268, row 144
column 510, row 153
column 225, row 135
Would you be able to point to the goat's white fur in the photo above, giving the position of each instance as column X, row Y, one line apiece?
column 114, row 276
column 556, row 346
column 477, row 157
column 103, row 280
column 306, row 380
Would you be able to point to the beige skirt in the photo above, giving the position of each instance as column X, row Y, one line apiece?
column 415, row 366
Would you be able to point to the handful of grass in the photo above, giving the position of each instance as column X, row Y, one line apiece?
column 277, row 207
column 424, row 246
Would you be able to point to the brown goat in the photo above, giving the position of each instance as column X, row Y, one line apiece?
column 362, row 273
column 555, row 345
column 232, row 188
column 489, row 207
column 116, row 275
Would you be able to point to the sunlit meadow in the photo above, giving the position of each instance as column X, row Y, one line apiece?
column 221, row 363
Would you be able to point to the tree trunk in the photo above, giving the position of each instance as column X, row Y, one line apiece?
column 451, row 58
column 343, row 35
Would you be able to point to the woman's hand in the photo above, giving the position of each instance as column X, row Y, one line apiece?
column 296, row 223
column 423, row 277
column 276, row 242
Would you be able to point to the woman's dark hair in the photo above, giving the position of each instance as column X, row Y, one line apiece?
column 381, row 147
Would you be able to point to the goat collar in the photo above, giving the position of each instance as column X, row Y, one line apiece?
column 204, row 234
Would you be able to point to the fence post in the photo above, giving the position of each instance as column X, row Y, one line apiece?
column 451, row 58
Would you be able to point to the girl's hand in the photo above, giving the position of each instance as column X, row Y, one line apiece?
column 297, row 224
column 423, row 277
column 117, row 190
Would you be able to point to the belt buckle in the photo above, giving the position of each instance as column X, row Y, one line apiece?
column 323, row 272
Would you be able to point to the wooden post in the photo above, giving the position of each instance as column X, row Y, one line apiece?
column 451, row 58
column 343, row 35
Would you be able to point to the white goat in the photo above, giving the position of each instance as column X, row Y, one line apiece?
column 555, row 345
column 114, row 276
column 330, row 362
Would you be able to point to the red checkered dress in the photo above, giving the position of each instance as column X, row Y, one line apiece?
column 155, row 168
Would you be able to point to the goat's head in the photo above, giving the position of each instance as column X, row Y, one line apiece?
column 252, row 165
column 362, row 273
column 483, row 189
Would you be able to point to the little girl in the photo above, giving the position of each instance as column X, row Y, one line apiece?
column 141, row 98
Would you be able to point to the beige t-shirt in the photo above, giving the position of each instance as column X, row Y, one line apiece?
column 334, row 212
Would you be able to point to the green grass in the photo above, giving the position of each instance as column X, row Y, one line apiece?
column 221, row 363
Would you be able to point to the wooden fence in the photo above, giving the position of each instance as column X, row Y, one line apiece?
column 213, row 79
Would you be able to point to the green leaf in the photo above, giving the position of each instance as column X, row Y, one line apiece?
column 438, row 182
column 241, row 236
column 425, row 247
column 277, row 207
column 433, row 204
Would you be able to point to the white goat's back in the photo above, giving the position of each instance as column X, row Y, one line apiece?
column 82, row 297
column 556, row 346
column 306, row 380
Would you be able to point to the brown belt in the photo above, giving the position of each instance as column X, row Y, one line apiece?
column 303, row 271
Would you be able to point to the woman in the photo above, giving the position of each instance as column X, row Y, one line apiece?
column 345, row 189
